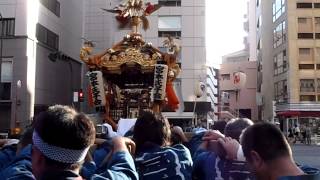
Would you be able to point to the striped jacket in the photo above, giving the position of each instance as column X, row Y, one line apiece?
column 155, row 162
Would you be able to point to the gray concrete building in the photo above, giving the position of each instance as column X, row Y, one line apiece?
column 182, row 19
column 264, row 50
column 31, row 30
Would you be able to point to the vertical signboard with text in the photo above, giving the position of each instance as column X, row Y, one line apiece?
column 97, row 89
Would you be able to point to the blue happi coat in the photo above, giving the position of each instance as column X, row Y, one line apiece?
column 155, row 162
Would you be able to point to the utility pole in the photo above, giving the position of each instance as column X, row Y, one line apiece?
column 1, row 46
column 58, row 55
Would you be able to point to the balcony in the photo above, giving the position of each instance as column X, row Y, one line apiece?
column 298, row 106
column 226, row 112
column 227, row 85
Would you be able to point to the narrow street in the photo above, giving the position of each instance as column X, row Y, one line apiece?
column 308, row 155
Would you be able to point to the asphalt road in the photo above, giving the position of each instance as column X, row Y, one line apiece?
column 308, row 155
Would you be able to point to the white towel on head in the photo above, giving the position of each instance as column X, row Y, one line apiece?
column 11, row 142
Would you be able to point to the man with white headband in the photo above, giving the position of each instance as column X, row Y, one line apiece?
column 61, row 140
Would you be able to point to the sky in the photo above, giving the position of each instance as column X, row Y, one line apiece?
column 224, row 28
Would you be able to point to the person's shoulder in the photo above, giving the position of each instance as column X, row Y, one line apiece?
column 206, row 156
column 178, row 147
column 311, row 173
column 301, row 177
column 19, row 170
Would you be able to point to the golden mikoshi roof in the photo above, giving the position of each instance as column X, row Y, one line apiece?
column 131, row 52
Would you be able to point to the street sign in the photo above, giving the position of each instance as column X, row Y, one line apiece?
column 75, row 97
column 160, row 79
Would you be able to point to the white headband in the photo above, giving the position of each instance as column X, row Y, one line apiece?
column 58, row 153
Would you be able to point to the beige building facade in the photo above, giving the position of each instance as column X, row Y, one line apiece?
column 288, row 54
column 238, row 101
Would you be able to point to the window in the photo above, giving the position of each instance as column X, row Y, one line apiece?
column 305, row 51
column 280, row 90
column 225, row 77
column 307, row 85
column 318, row 66
column 279, row 34
column 305, row 25
column 305, row 35
column 317, row 21
column 316, row 5
column 169, row 25
column 259, row 23
column 52, row 5
column 306, row 54
column 307, row 98
column 175, row 34
column 317, row 35
column 170, row 2
column 6, row 79
column 306, row 66
column 7, row 26
column 169, row 22
column 47, row 37
column 258, row 3
column 318, row 86
column 304, row 5
column 302, row 20
column 280, row 63
column 278, row 9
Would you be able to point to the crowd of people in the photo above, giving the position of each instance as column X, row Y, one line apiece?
column 61, row 144
column 302, row 134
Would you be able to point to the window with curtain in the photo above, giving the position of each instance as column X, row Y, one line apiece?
column 6, row 78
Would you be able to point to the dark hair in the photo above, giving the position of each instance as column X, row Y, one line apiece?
column 153, row 128
column 219, row 125
column 235, row 127
column 62, row 126
column 267, row 140
column 175, row 139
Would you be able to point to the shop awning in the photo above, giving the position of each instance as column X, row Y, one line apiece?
column 299, row 113
column 288, row 113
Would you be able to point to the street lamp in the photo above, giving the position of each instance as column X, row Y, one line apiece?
column 17, row 129
column 18, row 102
column 199, row 90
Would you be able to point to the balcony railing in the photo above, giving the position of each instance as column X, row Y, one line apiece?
column 298, row 106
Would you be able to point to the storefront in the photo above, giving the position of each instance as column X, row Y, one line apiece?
column 302, row 119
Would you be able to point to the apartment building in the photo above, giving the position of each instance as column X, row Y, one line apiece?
column 238, row 101
column 31, row 30
column 182, row 19
column 213, row 94
column 288, row 59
